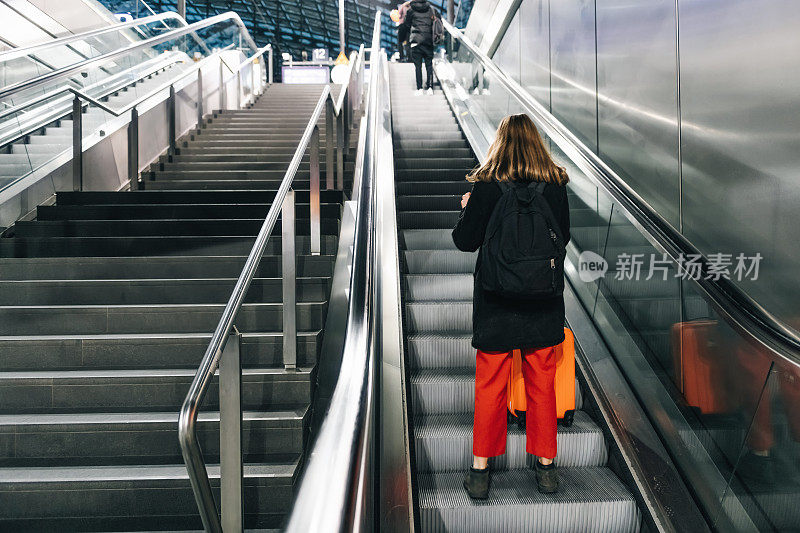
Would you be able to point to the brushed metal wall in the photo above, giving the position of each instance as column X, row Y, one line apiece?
column 638, row 98
column 573, row 74
column 740, row 89
column 535, row 29
column 507, row 55
column 694, row 103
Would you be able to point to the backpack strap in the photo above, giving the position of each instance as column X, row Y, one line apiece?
column 544, row 205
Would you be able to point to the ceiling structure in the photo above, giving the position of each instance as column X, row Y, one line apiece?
column 292, row 26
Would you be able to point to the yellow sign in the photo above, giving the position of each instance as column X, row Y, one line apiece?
column 342, row 59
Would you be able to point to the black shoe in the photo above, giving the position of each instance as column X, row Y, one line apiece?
column 756, row 471
column 476, row 482
column 546, row 477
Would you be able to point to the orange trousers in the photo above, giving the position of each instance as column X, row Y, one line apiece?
column 492, row 371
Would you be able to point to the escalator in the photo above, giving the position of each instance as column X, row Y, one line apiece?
column 686, row 384
column 432, row 158
column 110, row 71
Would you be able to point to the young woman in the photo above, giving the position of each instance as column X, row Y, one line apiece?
column 500, row 325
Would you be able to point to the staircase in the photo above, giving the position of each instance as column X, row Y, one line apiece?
column 107, row 304
column 432, row 158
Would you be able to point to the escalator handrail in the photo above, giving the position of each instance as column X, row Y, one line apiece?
column 749, row 317
column 109, row 89
column 336, row 477
column 185, row 74
column 28, row 50
column 187, row 421
column 148, row 43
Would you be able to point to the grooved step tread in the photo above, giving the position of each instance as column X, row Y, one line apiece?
column 589, row 500
column 444, row 443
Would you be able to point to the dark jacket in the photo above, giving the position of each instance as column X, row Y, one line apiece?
column 500, row 324
column 419, row 22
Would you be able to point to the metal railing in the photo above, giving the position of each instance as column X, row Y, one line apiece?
column 147, row 43
column 28, row 50
column 82, row 99
column 106, row 87
column 336, row 491
column 223, row 351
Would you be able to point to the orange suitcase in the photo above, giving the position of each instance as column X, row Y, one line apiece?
column 565, row 381
column 700, row 372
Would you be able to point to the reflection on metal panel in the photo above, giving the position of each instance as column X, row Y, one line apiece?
column 637, row 98
column 534, row 18
column 507, row 54
column 476, row 25
column 572, row 52
column 740, row 72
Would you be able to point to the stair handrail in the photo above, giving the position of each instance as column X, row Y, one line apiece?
column 158, row 63
column 147, row 43
column 335, row 492
column 218, row 353
column 81, row 99
column 749, row 317
column 185, row 74
column 14, row 53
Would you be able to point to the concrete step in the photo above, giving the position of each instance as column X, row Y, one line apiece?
column 149, row 318
column 142, row 497
column 143, row 351
column 146, row 389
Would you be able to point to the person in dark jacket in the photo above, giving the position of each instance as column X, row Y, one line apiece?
column 419, row 24
column 500, row 325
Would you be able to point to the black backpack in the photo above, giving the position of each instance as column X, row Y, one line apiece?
column 437, row 27
column 522, row 256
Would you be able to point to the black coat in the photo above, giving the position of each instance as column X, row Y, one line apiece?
column 500, row 324
column 419, row 23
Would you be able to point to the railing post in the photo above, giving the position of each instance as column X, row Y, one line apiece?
column 340, row 150
column 77, row 145
column 329, row 145
column 269, row 73
column 314, row 207
column 221, row 85
column 289, row 254
column 238, row 89
column 133, row 150
column 230, row 434
column 347, row 121
column 199, row 97
column 172, row 130
column 254, row 80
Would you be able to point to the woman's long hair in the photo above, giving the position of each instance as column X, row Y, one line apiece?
column 518, row 154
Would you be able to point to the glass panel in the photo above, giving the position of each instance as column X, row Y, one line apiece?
column 36, row 124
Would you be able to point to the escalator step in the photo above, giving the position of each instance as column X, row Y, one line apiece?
column 589, row 500
column 427, row 239
column 444, row 287
column 451, row 391
column 443, row 443
column 437, row 351
column 439, row 316
column 424, row 261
